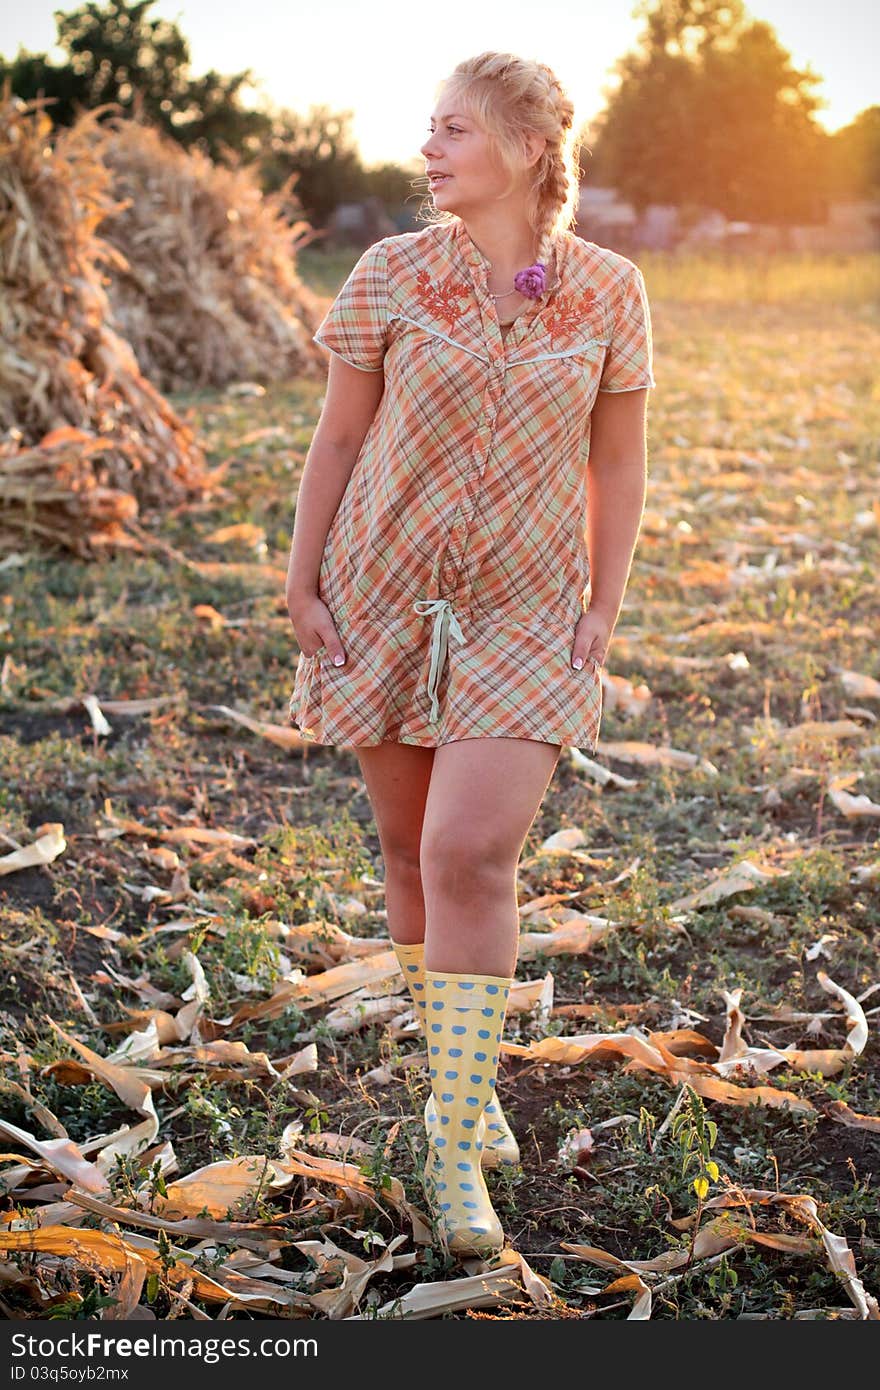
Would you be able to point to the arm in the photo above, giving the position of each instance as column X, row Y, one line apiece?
column 616, row 487
column 352, row 398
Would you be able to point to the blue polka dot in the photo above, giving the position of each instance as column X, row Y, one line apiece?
column 465, row 984
column 433, row 1071
column 474, row 1206
column 437, row 1004
column 478, row 1230
column 439, row 984
column 476, row 1080
column 412, row 967
column 497, row 1037
column 465, row 1144
column 445, row 1206
column 491, row 1109
column 483, row 1033
column 491, row 989
column 480, row 1056
column 444, row 1120
column 462, row 1011
column 447, row 1096
column 492, row 1082
column 466, row 1186
column 488, row 1013
column 417, row 986
column 434, row 1051
column 478, row 1144
column 440, row 1143
column 469, row 1124
column 498, row 1127
column 438, row 1028
column 463, row 1167
column 495, row 1059
column 472, row 1100
column 450, row 1075
column 455, row 1051
column 441, row 1187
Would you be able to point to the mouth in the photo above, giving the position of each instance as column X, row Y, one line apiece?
column 435, row 180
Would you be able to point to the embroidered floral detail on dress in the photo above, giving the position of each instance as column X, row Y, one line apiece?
column 568, row 311
column 441, row 299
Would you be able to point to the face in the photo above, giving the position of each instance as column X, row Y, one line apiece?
column 459, row 148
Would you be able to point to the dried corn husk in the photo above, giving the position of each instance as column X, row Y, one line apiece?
column 85, row 439
column 204, row 283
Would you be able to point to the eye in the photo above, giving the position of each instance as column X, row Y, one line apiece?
column 454, row 128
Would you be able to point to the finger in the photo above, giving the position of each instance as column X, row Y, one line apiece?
column 334, row 647
column 580, row 657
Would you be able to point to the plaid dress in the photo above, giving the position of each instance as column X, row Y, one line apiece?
column 456, row 565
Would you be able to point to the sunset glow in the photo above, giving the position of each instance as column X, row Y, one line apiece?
column 350, row 56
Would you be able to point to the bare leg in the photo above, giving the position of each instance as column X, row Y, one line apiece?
column 397, row 776
column 483, row 796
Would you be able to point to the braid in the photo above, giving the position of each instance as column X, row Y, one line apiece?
column 554, row 177
column 554, row 186
column 510, row 98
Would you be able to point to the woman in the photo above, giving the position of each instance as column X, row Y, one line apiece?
column 441, row 550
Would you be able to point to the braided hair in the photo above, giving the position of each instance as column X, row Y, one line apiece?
column 510, row 97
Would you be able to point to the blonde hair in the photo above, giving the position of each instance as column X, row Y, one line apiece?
column 509, row 97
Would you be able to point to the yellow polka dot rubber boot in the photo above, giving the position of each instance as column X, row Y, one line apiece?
column 498, row 1140
column 464, row 1022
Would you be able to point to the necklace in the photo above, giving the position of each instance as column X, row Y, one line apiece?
column 531, row 283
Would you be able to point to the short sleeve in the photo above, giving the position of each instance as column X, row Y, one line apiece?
column 355, row 326
column 630, row 359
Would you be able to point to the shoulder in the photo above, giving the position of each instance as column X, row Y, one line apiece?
column 415, row 250
column 396, row 260
column 608, row 272
column 420, row 263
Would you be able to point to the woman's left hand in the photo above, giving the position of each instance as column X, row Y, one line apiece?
column 591, row 639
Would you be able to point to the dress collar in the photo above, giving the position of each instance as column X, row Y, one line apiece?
column 481, row 267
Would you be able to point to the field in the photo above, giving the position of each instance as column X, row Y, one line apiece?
column 197, row 851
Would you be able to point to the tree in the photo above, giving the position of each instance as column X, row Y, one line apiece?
column 119, row 54
column 711, row 111
column 855, row 168
column 320, row 149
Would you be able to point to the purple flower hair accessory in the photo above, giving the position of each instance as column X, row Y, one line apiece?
column 531, row 281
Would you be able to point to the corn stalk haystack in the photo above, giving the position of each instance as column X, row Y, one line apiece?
column 204, row 285
column 85, row 439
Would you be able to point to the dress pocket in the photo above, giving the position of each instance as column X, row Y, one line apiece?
column 301, row 700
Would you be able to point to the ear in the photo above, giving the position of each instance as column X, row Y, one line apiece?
column 535, row 147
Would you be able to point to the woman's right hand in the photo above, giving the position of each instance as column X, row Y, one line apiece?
column 314, row 627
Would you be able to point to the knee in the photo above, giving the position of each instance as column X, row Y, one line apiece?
column 453, row 856
column 402, row 858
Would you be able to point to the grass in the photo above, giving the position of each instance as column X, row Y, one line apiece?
column 752, row 593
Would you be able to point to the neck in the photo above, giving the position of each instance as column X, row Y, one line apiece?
column 508, row 244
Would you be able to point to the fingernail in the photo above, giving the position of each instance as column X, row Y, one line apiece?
column 338, row 660
column 578, row 662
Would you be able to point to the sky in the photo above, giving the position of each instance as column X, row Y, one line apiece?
column 383, row 59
